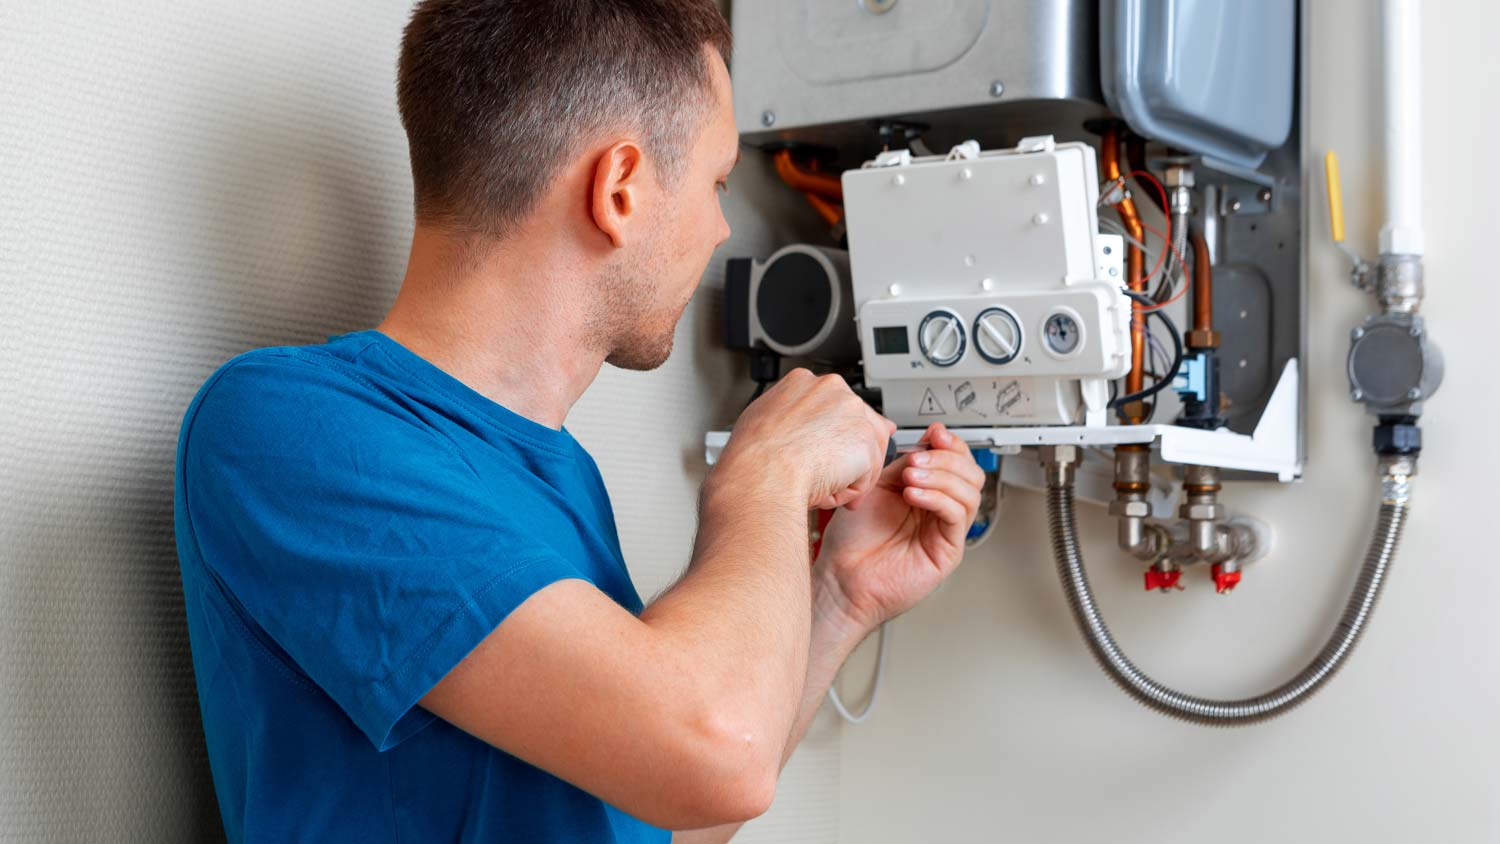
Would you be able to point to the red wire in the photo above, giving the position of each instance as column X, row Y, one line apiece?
column 1182, row 290
column 1166, row 238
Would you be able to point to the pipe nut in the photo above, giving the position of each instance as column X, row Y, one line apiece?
column 1128, row 509
column 1197, row 339
column 1069, row 455
column 1202, row 512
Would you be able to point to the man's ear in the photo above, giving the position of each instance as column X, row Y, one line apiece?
column 618, row 187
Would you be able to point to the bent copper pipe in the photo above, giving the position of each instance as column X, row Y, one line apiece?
column 830, row 212
column 804, row 181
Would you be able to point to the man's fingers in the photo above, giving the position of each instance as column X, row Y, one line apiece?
column 947, row 483
column 959, row 463
column 948, row 510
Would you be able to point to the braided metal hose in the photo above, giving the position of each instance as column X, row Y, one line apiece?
column 1225, row 713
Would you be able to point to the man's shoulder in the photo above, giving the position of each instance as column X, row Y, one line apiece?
column 277, row 390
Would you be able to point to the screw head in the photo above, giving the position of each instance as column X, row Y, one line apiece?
column 1265, row 194
column 997, row 88
column 1357, row 333
column 898, row 180
column 1416, row 331
column 1357, row 394
column 768, row 118
column 1235, row 206
column 1414, row 393
column 1040, row 219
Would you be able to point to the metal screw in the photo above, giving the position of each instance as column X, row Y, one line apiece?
column 768, row 118
column 1235, row 206
column 1414, row 393
column 1357, row 394
column 1265, row 194
column 1357, row 333
column 1416, row 331
column 997, row 88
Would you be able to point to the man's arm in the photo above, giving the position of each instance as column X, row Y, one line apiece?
column 681, row 717
column 880, row 557
column 834, row 637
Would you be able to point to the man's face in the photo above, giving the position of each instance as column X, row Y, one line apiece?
column 687, row 225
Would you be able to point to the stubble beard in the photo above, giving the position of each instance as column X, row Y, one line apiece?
column 637, row 336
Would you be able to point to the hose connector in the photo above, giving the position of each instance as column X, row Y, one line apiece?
column 1059, row 464
column 1131, row 506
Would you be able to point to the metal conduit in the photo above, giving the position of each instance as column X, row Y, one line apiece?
column 1395, row 495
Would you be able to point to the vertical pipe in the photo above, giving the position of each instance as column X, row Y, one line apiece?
column 1135, row 261
column 1203, row 335
column 1402, row 32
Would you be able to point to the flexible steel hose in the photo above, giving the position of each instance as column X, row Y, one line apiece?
column 1226, row 713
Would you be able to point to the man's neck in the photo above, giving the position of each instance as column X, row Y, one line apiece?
column 504, row 323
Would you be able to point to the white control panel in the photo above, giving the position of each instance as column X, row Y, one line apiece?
column 984, row 293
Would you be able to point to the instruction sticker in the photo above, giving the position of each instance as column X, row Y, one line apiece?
column 1012, row 400
column 930, row 405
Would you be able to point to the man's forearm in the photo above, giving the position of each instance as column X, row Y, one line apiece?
column 833, row 637
column 743, row 610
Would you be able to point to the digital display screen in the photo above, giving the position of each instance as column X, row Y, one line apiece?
column 891, row 340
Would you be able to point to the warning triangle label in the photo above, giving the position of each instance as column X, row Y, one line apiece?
column 930, row 405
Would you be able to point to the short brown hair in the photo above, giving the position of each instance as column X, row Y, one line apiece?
column 495, row 94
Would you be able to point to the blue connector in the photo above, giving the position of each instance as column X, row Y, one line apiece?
column 1192, row 379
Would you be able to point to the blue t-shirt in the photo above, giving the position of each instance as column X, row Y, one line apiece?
column 351, row 522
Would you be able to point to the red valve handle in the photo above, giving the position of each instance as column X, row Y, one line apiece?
column 1163, row 580
column 1225, row 581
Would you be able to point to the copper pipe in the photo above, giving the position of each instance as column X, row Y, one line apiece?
column 1203, row 335
column 1135, row 263
column 825, row 186
column 1135, row 156
column 830, row 212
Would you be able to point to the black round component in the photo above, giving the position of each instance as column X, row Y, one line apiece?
column 1386, row 363
column 794, row 299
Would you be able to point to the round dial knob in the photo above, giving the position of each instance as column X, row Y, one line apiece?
column 941, row 336
column 1064, row 334
column 997, row 336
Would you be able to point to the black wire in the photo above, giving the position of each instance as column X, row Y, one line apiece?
column 1177, row 352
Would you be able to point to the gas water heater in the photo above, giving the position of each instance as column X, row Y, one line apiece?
column 1076, row 229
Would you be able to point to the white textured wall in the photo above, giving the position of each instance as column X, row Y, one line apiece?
column 179, row 183
column 996, row 726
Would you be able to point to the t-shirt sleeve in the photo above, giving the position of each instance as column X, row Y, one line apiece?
column 354, row 536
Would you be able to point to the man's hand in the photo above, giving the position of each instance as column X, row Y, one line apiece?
column 887, row 550
column 815, row 430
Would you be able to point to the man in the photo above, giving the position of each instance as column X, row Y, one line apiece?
column 409, row 614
